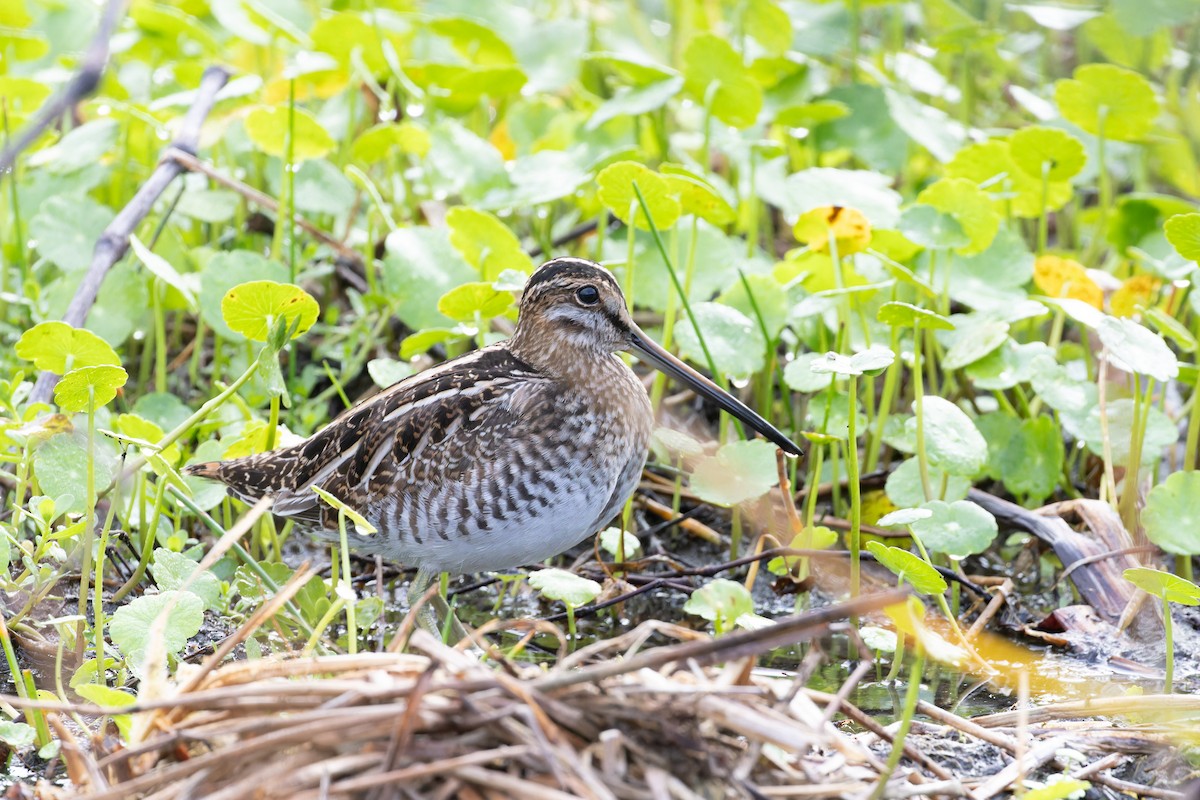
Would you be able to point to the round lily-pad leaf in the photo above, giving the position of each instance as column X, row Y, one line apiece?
column 847, row 228
column 1172, row 514
column 800, row 377
column 720, row 599
column 558, row 584
column 739, row 471
column 904, row 485
column 463, row 302
column 85, row 386
column 486, row 243
column 1160, row 432
column 1040, row 148
column 966, row 202
column 974, row 343
column 903, row 516
column 57, row 347
column 952, row 442
column 1183, row 232
column 697, row 196
column 1138, row 349
column 1169, row 587
column 714, row 71
column 908, row 315
column 928, row 227
column 267, row 127
column 733, row 339
column 616, row 183
column 253, row 309
column 961, row 528
column 908, row 567
column 1110, row 101
column 131, row 624
column 613, row 539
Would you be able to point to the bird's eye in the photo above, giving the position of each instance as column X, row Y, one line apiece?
column 588, row 295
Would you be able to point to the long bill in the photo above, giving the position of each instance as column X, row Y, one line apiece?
column 653, row 354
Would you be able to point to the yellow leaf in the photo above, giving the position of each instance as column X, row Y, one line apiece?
column 847, row 226
column 1137, row 291
column 1061, row 277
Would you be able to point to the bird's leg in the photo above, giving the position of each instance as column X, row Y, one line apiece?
column 433, row 614
column 427, row 617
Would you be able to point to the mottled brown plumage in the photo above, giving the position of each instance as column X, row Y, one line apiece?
column 499, row 458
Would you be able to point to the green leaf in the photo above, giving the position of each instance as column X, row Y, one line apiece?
column 869, row 192
column 253, row 309
column 990, row 164
column 1172, row 328
column 616, row 183
column 1064, row 787
column 1108, row 100
column 1039, row 150
column 952, row 442
column 904, row 486
column 633, row 101
column 463, row 302
column 800, row 377
column 697, row 196
column 908, row 567
column 739, row 471
column 419, row 267
column 57, row 347
column 363, row 527
column 375, row 144
column 733, row 339
column 720, row 601
column 267, row 127
column 958, row 529
column 163, row 270
column 171, row 570
column 769, row 25
column 61, row 466
column 970, row 205
column 1138, row 349
column 908, row 315
column 386, row 372
column 1183, row 232
column 766, row 298
column 1160, row 432
column 928, row 227
column 903, row 516
column 611, row 540
column 871, row 360
column 225, row 270
column 712, row 65
column 1164, row 585
column 974, row 342
column 87, row 385
column 1029, row 458
column 1172, row 514
column 130, row 625
column 17, row 735
column 486, row 243
column 558, row 584
column 66, row 228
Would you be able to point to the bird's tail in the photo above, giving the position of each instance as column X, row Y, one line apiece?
column 248, row 478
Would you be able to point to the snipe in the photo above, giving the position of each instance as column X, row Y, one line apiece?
column 499, row 458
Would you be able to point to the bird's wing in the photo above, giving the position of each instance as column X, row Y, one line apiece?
column 395, row 437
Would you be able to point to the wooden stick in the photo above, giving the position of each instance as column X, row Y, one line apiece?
column 82, row 83
column 114, row 242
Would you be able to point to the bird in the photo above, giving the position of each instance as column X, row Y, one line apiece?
column 500, row 458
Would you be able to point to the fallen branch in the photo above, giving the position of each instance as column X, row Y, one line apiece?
column 82, row 83
column 114, row 242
